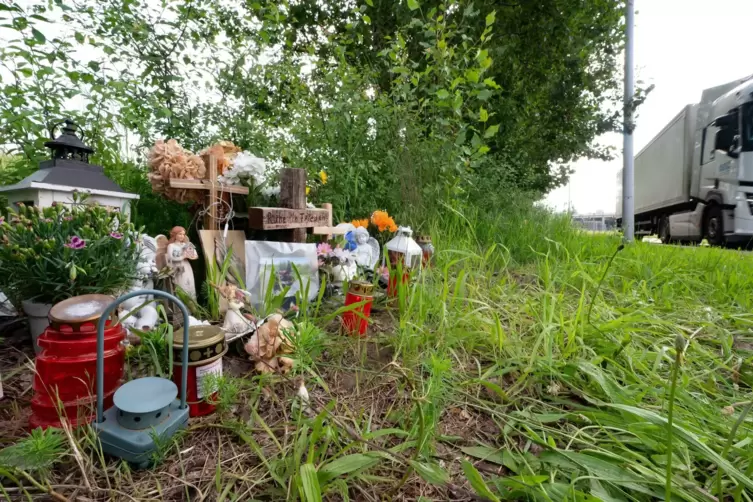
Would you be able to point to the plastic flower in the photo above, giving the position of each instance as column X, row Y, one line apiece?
column 116, row 235
column 360, row 223
column 350, row 241
column 323, row 249
column 383, row 221
column 308, row 190
column 343, row 255
column 323, row 177
column 76, row 243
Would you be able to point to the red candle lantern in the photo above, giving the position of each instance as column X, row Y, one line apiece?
column 361, row 293
column 66, row 367
column 404, row 253
column 206, row 346
column 427, row 248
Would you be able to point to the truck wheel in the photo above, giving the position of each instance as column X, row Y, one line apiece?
column 713, row 225
column 664, row 229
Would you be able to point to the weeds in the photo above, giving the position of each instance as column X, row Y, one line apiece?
column 532, row 362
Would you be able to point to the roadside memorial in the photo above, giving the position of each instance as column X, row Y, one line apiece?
column 360, row 295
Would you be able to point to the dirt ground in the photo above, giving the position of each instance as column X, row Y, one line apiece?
column 228, row 454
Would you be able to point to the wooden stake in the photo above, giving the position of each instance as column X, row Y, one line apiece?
column 293, row 196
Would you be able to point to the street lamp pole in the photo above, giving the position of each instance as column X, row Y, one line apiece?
column 628, row 175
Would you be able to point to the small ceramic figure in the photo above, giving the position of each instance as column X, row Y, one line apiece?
column 268, row 346
column 235, row 322
column 367, row 249
column 144, row 318
column 179, row 251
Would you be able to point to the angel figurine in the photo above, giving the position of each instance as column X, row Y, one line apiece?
column 176, row 255
column 367, row 249
column 235, row 322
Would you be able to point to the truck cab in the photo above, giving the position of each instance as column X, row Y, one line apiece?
column 724, row 160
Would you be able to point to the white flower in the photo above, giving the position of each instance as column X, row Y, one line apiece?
column 343, row 255
column 271, row 191
column 245, row 168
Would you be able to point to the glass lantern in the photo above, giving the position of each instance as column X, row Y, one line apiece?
column 402, row 252
column 403, row 247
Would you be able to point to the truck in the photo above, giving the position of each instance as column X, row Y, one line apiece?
column 694, row 180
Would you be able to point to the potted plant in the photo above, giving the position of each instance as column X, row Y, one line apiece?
column 53, row 253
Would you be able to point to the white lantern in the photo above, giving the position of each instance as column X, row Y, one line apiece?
column 403, row 247
column 68, row 171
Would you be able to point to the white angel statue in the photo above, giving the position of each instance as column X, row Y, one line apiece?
column 367, row 249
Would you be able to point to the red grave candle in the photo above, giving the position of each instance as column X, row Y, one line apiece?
column 361, row 293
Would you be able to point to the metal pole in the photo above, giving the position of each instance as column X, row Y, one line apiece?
column 628, row 177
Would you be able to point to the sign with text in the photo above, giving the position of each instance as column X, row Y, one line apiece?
column 278, row 218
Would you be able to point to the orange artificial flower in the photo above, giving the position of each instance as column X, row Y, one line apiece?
column 383, row 221
column 360, row 223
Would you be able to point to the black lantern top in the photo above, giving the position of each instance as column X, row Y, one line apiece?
column 68, row 146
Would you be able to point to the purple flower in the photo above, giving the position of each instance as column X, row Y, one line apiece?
column 76, row 243
column 2, row 220
column 116, row 235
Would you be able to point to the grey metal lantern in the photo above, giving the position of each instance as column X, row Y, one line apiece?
column 68, row 171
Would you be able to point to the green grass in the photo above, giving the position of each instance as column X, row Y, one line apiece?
column 527, row 364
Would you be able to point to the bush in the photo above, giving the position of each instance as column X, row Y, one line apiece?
column 50, row 254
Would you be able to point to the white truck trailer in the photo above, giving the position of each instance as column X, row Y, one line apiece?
column 694, row 180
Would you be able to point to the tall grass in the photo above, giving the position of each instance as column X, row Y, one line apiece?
column 531, row 362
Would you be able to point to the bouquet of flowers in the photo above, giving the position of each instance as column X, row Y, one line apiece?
column 50, row 254
column 337, row 263
column 380, row 225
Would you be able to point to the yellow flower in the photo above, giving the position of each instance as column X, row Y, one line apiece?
column 323, row 177
column 308, row 190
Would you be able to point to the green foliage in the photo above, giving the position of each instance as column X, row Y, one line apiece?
column 55, row 253
column 37, row 453
column 404, row 105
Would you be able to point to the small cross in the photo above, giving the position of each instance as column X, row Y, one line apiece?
column 209, row 352
column 215, row 189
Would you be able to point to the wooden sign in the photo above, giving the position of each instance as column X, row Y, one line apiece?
column 278, row 218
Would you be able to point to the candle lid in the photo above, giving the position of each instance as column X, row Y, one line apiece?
column 205, row 344
column 80, row 309
column 361, row 288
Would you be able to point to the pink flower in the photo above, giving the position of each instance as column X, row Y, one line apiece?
column 116, row 235
column 68, row 218
column 384, row 272
column 47, row 220
column 323, row 249
column 76, row 243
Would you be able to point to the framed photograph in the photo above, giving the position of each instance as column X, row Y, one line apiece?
column 276, row 263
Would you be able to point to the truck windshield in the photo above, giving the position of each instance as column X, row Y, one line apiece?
column 747, row 127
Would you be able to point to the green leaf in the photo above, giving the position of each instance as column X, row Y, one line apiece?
column 431, row 473
column 346, row 465
column 485, row 94
column 38, row 36
column 309, row 484
column 472, row 76
column 366, row 19
column 413, row 4
column 483, row 115
column 443, row 94
column 477, row 482
column 490, row 18
column 489, row 82
column 491, row 131
column 370, row 3
column 79, row 37
column 26, row 72
column 483, row 150
column 492, row 455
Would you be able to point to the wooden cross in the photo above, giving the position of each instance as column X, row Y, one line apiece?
column 293, row 218
column 211, row 219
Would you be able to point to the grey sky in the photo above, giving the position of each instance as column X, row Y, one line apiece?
column 682, row 47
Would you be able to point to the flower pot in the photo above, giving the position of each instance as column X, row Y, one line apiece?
column 38, row 321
